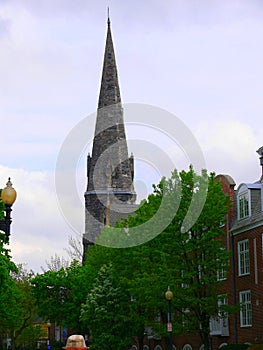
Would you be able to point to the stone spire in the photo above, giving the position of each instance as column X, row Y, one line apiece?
column 110, row 192
column 109, row 90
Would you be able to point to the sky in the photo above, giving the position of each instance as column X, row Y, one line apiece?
column 200, row 61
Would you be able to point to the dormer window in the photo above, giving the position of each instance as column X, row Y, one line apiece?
column 243, row 206
column 243, row 202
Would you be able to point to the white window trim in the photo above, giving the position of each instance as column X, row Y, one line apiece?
column 243, row 192
column 219, row 324
column 240, row 273
column 247, row 324
column 255, row 260
column 221, row 273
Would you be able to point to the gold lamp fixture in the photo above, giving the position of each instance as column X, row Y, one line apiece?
column 8, row 197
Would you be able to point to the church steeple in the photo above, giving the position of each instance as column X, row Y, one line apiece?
column 109, row 90
column 110, row 193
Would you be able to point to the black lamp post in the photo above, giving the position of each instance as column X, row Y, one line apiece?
column 48, row 335
column 8, row 196
column 169, row 297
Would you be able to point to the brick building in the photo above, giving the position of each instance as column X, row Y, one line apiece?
column 246, row 234
column 244, row 285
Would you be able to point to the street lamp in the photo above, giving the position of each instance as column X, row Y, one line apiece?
column 169, row 297
column 48, row 335
column 8, row 196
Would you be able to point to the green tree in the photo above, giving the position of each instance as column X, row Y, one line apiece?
column 106, row 311
column 59, row 295
column 186, row 255
column 23, row 333
column 128, row 284
column 17, row 307
column 29, row 337
column 200, row 256
column 10, row 296
column 121, row 262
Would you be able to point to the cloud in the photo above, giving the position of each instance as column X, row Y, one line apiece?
column 38, row 229
column 4, row 28
column 230, row 147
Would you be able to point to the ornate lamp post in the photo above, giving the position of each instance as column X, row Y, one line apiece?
column 8, row 196
column 169, row 297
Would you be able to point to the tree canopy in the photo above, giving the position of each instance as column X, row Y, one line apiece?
column 187, row 260
column 126, row 273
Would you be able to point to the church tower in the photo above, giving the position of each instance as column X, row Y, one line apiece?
column 110, row 193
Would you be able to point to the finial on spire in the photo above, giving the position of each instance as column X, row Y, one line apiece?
column 108, row 16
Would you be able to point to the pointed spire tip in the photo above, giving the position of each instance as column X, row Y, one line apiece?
column 108, row 16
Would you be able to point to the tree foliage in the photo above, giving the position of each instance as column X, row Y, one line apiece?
column 59, row 295
column 23, row 328
column 9, row 294
column 187, row 260
column 17, row 306
column 123, row 289
column 106, row 312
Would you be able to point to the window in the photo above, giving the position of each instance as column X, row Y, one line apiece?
column 246, row 309
column 221, row 272
column 243, row 258
column 186, row 318
column 223, row 314
column 243, row 205
column 219, row 324
column 222, row 300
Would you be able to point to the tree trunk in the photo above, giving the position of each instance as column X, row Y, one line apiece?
column 206, row 341
column 140, row 341
column 205, row 333
column 13, row 342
